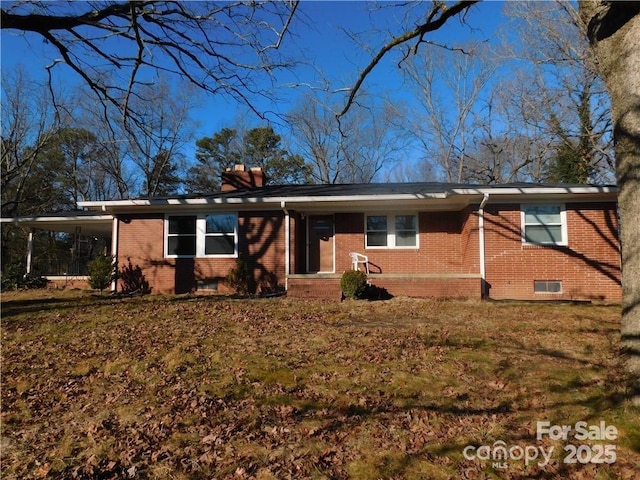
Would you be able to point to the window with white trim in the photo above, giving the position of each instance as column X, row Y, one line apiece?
column 391, row 231
column 220, row 234
column 544, row 224
column 202, row 235
column 181, row 236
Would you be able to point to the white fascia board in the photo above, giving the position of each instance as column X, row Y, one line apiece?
column 366, row 198
column 470, row 193
column 123, row 204
column 98, row 224
column 62, row 219
column 535, row 190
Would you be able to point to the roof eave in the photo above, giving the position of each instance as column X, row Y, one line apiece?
column 99, row 224
column 114, row 205
column 456, row 196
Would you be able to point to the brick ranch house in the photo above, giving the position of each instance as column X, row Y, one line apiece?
column 511, row 241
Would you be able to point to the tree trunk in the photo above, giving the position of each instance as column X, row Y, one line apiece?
column 613, row 29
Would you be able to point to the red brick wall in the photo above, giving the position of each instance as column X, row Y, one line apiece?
column 589, row 266
column 447, row 244
column 59, row 281
column 438, row 287
column 442, row 287
column 469, row 241
column 316, row 288
column 261, row 244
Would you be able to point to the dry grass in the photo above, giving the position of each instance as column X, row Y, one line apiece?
column 186, row 387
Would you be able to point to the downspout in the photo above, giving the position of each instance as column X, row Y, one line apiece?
column 483, row 272
column 114, row 252
column 29, row 251
column 287, row 246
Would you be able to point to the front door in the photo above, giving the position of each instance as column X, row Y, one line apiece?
column 321, row 244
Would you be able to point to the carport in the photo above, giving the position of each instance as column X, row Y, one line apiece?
column 77, row 223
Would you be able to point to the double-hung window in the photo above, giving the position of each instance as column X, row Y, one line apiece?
column 202, row 235
column 220, row 234
column 544, row 224
column 181, row 236
column 377, row 231
column 391, row 231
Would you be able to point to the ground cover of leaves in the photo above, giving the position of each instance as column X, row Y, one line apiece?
column 204, row 387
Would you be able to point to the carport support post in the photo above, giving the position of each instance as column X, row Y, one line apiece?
column 114, row 253
column 29, row 251
column 287, row 244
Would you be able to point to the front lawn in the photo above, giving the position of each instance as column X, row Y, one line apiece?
column 204, row 387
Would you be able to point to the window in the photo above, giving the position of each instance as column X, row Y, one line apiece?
column 406, row 230
column 220, row 234
column 544, row 224
column 391, row 231
column 208, row 284
column 377, row 232
column 204, row 235
column 547, row 286
column 181, row 236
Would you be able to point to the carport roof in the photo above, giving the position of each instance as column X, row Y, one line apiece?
column 84, row 222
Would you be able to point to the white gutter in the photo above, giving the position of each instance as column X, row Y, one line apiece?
column 533, row 190
column 483, row 272
column 446, row 193
column 97, row 218
column 114, row 252
column 287, row 243
column 105, row 205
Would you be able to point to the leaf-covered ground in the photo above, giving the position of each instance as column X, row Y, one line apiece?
column 204, row 387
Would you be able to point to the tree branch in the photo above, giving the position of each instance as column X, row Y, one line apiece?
column 220, row 47
column 436, row 18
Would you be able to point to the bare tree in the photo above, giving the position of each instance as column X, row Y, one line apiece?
column 155, row 145
column 559, row 88
column 412, row 34
column 449, row 85
column 352, row 149
column 221, row 47
column 507, row 146
column 28, row 124
column 113, row 141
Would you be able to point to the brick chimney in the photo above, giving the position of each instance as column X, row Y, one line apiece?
column 240, row 177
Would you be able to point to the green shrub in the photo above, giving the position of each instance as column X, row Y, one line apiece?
column 31, row 281
column 11, row 276
column 14, row 277
column 132, row 280
column 354, row 284
column 101, row 272
column 269, row 285
column 239, row 278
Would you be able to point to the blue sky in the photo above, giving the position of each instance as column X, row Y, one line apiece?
column 320, row 41
column 324, row 44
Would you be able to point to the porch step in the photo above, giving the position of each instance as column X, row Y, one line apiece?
column 324, row 288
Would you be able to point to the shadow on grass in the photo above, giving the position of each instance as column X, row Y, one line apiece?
column 12, row 308
column 20, row 312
